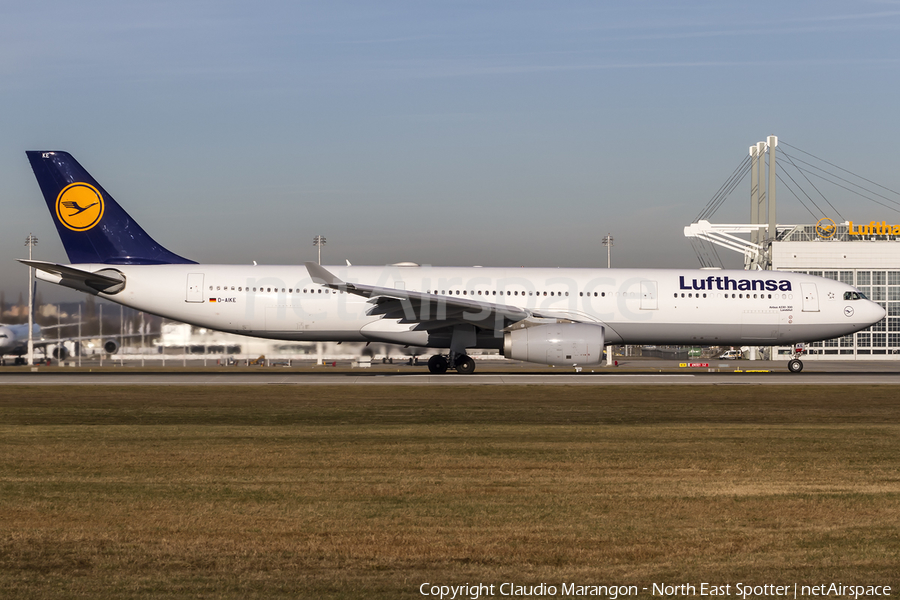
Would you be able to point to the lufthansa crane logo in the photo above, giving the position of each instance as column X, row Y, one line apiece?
column 826, row 228
column 79, row 206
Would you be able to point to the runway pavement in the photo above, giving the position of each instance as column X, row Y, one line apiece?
column 635, row 373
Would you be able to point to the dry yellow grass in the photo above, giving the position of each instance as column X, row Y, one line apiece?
column 318, row 492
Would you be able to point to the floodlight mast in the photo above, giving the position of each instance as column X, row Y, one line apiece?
column 608, row 242
column 31, row 241
column 318, row 242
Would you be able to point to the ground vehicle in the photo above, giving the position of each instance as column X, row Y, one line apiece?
column 731, row 355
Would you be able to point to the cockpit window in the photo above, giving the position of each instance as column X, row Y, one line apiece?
column 854, row 296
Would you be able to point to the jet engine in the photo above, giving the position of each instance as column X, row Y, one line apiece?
column 60, row 353
column 571, row 344
column 110, row 346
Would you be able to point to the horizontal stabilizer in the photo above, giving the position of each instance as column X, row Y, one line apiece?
column 108, row 281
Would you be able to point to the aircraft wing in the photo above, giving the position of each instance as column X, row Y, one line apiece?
column 429, row 311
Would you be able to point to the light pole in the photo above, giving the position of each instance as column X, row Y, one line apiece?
column 31, row 241
column 319, row 241
column 608, row 242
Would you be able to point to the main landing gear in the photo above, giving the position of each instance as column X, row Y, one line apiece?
column 463, row 363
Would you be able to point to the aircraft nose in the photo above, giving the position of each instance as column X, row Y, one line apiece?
column 876, row 312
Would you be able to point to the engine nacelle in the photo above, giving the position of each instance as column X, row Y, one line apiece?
column 571, row 344
column 110, row 346
column 60, row 353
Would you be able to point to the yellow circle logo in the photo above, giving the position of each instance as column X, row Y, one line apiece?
column 79, row 206
column 826, row 228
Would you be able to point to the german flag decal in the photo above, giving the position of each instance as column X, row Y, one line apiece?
column 212, row 299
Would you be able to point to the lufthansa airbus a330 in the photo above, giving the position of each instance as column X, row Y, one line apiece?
column 548, row 316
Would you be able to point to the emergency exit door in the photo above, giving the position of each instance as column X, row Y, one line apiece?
column 648, row 296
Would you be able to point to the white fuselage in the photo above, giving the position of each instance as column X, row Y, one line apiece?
column 635, row 306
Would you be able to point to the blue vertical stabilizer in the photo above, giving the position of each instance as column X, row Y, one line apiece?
column 91, row 224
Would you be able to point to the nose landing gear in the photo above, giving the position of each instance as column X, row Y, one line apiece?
column 794, row 365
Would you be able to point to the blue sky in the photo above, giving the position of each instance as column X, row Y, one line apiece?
column 449, row 133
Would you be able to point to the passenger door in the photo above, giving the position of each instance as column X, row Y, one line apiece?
column 194, row 292
column 810, row 297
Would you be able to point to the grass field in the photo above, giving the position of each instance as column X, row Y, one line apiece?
column 351, row 492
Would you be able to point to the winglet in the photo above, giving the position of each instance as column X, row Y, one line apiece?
column 323, row 276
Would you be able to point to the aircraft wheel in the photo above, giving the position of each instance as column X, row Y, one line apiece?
column 795, row 366
column 437, row 364
column 465, row 365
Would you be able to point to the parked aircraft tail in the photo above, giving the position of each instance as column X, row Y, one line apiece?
column 91, row 224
